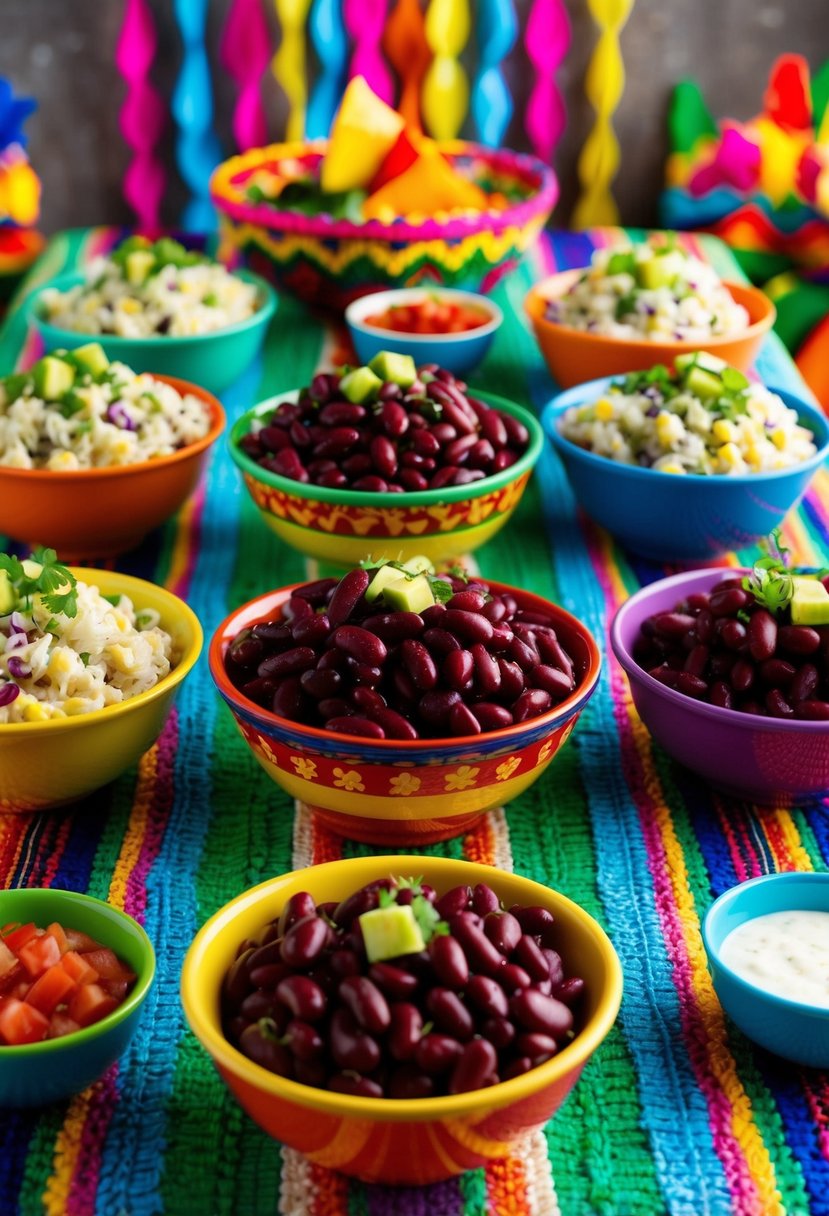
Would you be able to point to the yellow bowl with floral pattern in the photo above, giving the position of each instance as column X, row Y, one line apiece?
column 347, row 526
column 394, row 792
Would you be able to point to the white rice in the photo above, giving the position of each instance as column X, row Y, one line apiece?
column 124, row 419
column 102, row 656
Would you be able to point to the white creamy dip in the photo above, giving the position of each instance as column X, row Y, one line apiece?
column 785, row 953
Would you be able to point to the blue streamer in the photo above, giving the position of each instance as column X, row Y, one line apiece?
column 330, row 42
column 197, row 148
column 491, row 99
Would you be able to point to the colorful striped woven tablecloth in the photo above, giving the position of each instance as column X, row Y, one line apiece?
column 676, row 1113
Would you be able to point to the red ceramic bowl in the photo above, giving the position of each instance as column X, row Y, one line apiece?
column 573, row 355
column 394, row 792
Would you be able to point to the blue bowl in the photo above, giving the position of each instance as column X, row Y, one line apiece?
column 213, row 360
column 670, row 517
column 458, row 353
column 791, row 1029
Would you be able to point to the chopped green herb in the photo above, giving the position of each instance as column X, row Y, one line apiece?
column 770, row 581
column 625, row 305
column 85, row 656
column 622, row 263
column 56, row 585
column 211, row 299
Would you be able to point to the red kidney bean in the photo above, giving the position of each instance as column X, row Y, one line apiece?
column 539, row 1047
column 356, row 1087
column 384, row 456
column 258, row 1004
column 555, row 970
column 351, row 1047
column 557, row 683
column 570, row 990
column 405, row 1030
column 449, row 1013
column 480, row 953
column 304, row 942
column 503, row 930
column 439, row 641
column 742, row 675
column 531, row 703
column 672, row 624
column 289, row 662
column 413, row 480
column 435, row 707
column 512, row 978
column 728, row 601
column 393, row 724
column 721, row 695
column 419, row 663
column 366, row 1002
column 762, row 635
column 732, row 633
column 394, row 626
column 484, row 900
column 311, row 630
column 475, row 1069
column 491, row 716
column 267, row 953
column 407, row 1083
column 813, row 711
column 367, row 699
column 426, row 443
column 500, row 1032
column 237, row 983
column 364, row 900
column 297, row 907
column 455, row 901
column 341, row 414
column 436, row 1053
column 534, row 1011
column 458, row 669
column 777, row 672
column 371, row 484
column 798, row 639
column 304, row 1041
column 333, row 707
column 259, row 1042
column 777, row 705
column 487, row 996
column 357, row 465
column 361, row 645
column 321, row 683
column 469, row 626
column 393, row 982
column 351, row 724
column 347, row 594
column 462, row 721
column 343, row 962
column 529, row 956
column 804, row 684
column 338, row 442
column 691, row 686
column 362, row 673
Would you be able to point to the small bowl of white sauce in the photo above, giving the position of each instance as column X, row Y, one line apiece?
column 767, row 942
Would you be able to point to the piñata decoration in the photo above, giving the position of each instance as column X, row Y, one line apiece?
column 142, row 114
column 491, row 99
column 330, row 42
column 197, row 148
column 244, row 52
column 20, row 243
column 365, row 21
column 289, row 62
column 445, row 98
column 409, row 53
column 604, row 84
column 547, row 40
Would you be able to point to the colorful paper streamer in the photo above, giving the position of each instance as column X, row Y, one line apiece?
column 604, row 85
column 197, row 148
column 409, row 53
column 547, row 40
column 289, row 63
column 365, row 21
column 326, row 30
column 445, row 98
column 142, row 114
column 245, row 52
column 492, row 105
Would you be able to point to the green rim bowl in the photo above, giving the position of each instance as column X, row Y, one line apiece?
column 38, row 1073
column 346, row 526
column 213, row 360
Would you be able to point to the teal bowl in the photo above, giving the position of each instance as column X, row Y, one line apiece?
column 791, row 1029
column 213, row 360
column 690, row 517
column 37, row 1073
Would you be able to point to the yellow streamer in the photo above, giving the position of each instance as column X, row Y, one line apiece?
column 445, row 86
column 289, row 62
column 604, row 84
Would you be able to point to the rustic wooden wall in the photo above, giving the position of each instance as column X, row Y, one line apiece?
column 61, row 51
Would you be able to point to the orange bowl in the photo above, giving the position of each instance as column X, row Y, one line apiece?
column 396, row 792
column 573, row 355
column 93, row 513
column 399, row 1141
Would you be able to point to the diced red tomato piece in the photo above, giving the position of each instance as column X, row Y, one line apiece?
column 81, row 942
column 430, row 316
column 78, row 968
column 39, row 954
column 108, row 965
column 90, row 1003
column 8, row 959
column 12, row 979
column 17, row 936
column 50, row 989
column 60, row 1024
column 116, row 988
column 21, row 1023
column 59, row 934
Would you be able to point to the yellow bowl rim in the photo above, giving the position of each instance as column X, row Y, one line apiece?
column 365, row 869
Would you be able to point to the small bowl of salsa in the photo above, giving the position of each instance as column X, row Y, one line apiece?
column 449, row 327
column 767, row 942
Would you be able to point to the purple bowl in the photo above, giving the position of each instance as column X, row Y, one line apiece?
column 766, row 760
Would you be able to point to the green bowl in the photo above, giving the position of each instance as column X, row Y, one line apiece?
column 38, row 1073
column 212, row 360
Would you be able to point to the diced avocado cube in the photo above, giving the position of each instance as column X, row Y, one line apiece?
column 8, row 597
column 171, row 253
column 53, row 377
column 139, row 265
column 409, row 594
column 810, row 602
column 700, row 358
column 661, row 270
column 92, row 358
column 381, row 580
column 397, row 369
column 705, row 385
column 390, row 932
column 360, row 385
column 418, row 565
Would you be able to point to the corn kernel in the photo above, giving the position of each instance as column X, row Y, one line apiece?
column 604, row 410
column 36, row 713
column 122, row 658
column 130, row 305
column 121, row 622
column 778, row 438
column 723, row 430
column 60, row 663
column 729, row 454
column 670, row 468
column 74, row 705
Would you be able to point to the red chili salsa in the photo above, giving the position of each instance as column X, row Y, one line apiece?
column 55, row 981
column 432, row 315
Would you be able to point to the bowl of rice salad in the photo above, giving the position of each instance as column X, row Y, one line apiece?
column 688, row 464
column 636, row 305
column 94, row 455
column 90, row 661
column 161, row 308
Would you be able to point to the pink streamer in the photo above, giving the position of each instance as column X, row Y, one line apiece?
column 365, row 21
column 142, row 114
column 547, row 40
column 245, row 52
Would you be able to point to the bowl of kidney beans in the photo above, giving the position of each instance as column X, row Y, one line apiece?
column 403, row 727
column 431, row 469
column 737, row 696
column 415, row 1067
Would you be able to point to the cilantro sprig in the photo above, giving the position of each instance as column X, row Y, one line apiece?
column 46, row 577
column 770, row 581
column 425, row 913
